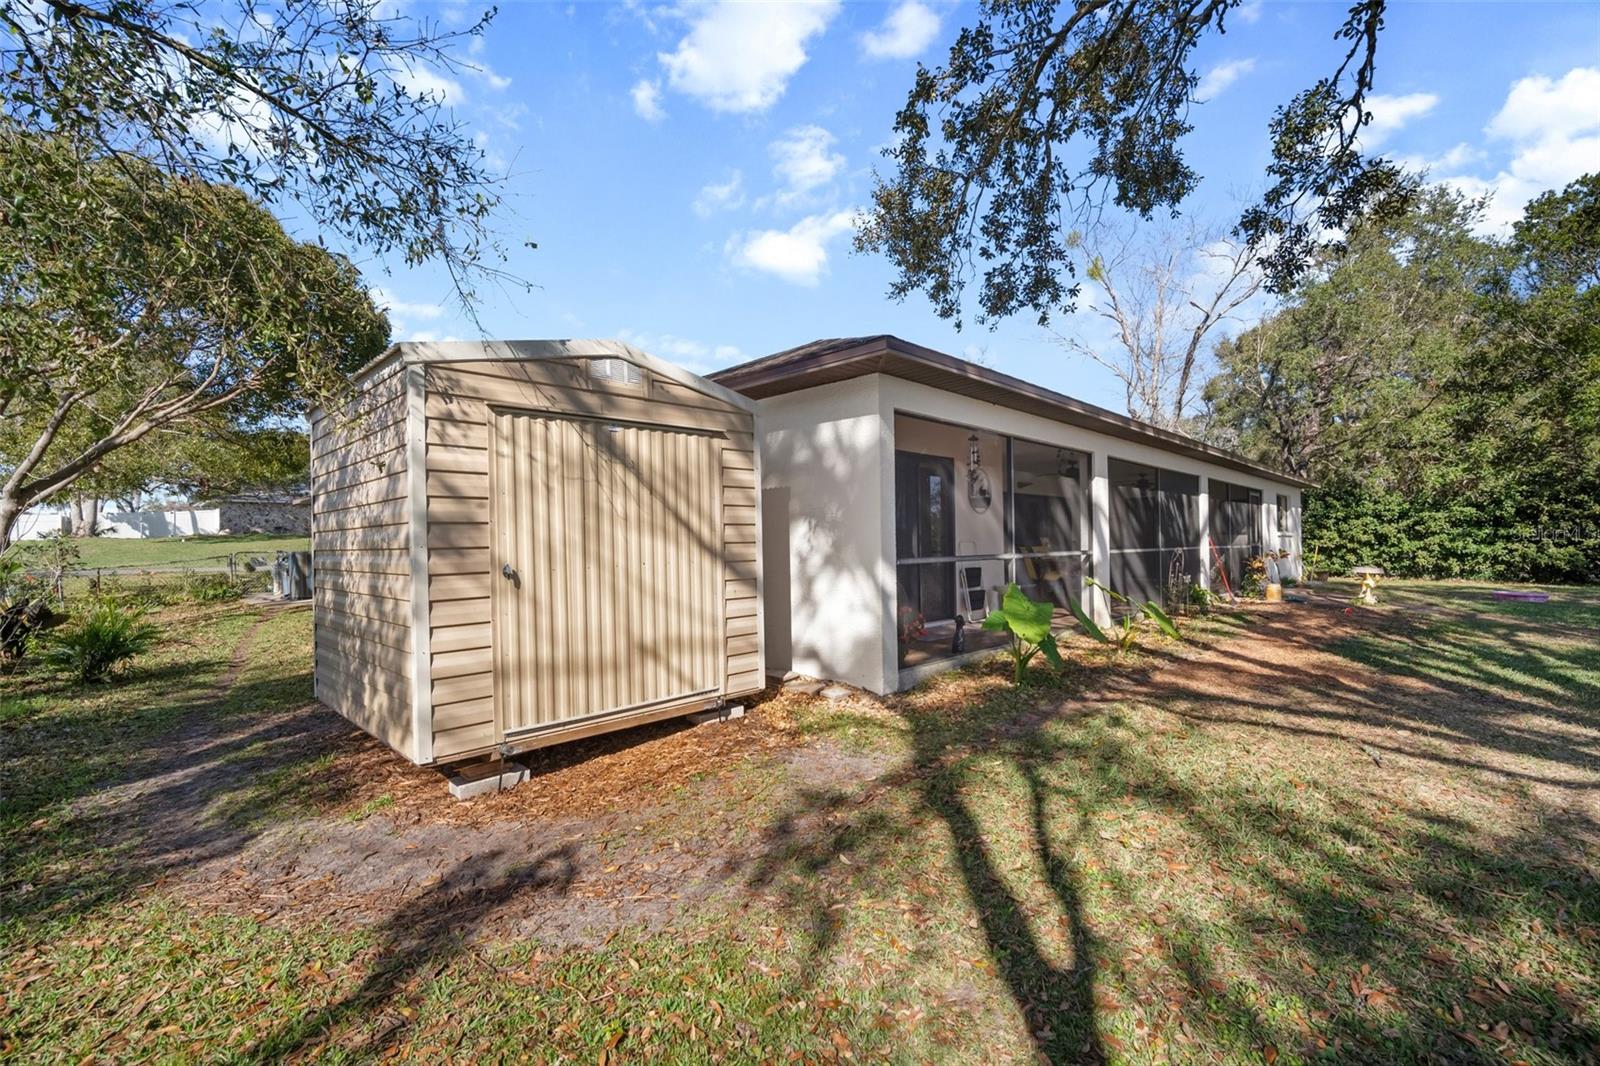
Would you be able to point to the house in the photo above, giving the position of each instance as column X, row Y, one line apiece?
column 518, row 543
column 903, row 488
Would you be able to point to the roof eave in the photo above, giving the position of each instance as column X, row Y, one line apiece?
column 877, row 355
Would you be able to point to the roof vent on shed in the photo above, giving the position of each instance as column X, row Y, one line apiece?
column 617, row 370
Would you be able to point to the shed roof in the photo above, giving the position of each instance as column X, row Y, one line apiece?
column 841, row 358
column 410, row 353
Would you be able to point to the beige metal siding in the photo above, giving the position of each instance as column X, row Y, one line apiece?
column 460, row 561
column 610, row 529
column 360, row 546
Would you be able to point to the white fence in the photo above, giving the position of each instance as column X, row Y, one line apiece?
column 190, row 522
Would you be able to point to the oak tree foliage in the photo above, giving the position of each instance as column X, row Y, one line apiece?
column 1045, row 111
column 136, row 303
column 309, row 106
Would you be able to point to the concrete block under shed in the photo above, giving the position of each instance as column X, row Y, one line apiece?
column 718, row 714
column 480, row 778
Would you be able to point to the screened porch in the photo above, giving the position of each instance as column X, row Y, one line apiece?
column 974, row 511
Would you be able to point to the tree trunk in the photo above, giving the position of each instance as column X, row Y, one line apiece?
column 9, row 510
column 85, row 515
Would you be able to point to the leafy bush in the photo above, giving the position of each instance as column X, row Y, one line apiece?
column 1451, row 533
column 1028, row 623
column 1201, row 599
column 1253, row 585
column 26, row 609
column 95, row 645
column 211, row 588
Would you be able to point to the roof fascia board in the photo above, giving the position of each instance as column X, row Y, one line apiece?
column 1085, row 415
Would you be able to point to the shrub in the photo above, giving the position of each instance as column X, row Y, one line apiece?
column 95, row 645
column 211, row 588
column 1254, row 583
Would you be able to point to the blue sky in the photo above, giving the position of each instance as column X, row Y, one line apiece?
column 689, row 171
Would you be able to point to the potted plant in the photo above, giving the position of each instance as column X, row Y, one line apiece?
column 912, row 627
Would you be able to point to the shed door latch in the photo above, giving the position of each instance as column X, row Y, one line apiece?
column 508, row 572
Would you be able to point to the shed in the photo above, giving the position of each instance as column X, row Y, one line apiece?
column 518, row 543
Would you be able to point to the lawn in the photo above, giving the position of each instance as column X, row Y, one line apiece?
column 182, row 551
column 1301, row 835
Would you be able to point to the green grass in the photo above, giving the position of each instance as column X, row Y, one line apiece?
column 182, row 551
column 1205, row 865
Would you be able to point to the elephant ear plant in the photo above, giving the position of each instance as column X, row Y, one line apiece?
column 1126, row 631
column 1028, row 623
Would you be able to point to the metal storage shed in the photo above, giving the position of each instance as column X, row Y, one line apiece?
column 517, row 543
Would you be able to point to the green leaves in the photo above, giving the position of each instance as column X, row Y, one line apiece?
column 1028, row 622
column 1162, row 620
column 1086, row 622
column 1128, row 626
column 166, row 306
column 1024, row 617
column 308, row 108
column 1046, row 108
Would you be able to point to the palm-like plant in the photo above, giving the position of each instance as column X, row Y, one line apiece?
column 1126, row 631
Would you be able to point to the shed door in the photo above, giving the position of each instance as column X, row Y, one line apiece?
column 607, row 568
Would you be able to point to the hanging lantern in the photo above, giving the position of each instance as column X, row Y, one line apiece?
column 974, row 457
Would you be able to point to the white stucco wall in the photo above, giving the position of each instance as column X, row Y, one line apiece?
column 826, row 473
column 828, row 512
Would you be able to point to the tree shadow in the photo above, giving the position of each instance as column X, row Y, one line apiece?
column 415, row 943
column 152, row 790
column 1352, row 924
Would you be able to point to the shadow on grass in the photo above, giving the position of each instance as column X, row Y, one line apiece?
column 416, row 943
column 1216, row 903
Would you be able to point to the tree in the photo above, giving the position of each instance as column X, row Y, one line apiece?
column 133, row 302
column 306, row 104
column 1163, row 296
column 203, row 458
column 1444, row 390
column 1331, row 386
column 1045, row 109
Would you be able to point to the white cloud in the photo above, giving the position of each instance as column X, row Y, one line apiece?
column 1250, row 12
column 690, row 354
column 1461, row 155
column 803, row 159
column 740, row 57
column 720, row 196
column 910, row 28
column 1390, row 113
column 421, row 80
column 798, row 254
column 1553, row 129
column 647, row 101
column 482, row 69
column 1219, row 77
column 428, row 336
column 402, row 309
column 1538, row 108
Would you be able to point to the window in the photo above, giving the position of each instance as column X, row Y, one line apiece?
column 1283, row 513
column 1049, row 516
column 975, row 510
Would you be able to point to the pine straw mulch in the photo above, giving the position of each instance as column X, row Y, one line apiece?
column 628, row 770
